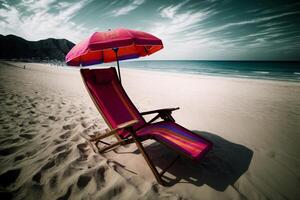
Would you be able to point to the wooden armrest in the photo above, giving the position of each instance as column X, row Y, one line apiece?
column 114, row 131
column 127, row 124
column 164, row 110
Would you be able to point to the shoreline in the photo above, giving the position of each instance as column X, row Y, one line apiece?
column 192, row 75
column 207, row 76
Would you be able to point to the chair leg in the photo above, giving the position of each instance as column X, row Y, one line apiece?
column 147, row 158
column 169, row 165
column 109, row 146
column 121, row 142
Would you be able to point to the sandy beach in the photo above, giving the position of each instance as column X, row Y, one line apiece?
column 254, row 125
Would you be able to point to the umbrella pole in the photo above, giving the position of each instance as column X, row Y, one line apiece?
column 116, row 52
column 119, row 70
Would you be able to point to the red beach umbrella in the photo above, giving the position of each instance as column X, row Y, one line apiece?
column 114, row 45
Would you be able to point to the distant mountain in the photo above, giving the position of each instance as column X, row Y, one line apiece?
column 14, row 47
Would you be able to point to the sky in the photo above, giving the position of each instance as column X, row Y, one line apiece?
column 190, row 30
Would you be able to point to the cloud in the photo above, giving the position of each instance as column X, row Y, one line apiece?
column 177, row 27
column 208, row 37
column 127, row 8
column 178, row 21
column 37, row 5
column 62, row 5
column 253, row 21
column 190, row 30
column 40, row 23
column 170, row 11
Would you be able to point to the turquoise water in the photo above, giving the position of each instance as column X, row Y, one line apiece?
column 268, row 70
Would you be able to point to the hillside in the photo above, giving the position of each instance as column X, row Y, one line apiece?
column 14, row 47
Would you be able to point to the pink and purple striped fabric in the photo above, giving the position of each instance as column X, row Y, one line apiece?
column 116, row 108
column 110, row 97
column 178, row 138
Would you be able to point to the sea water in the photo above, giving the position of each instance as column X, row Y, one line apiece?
column 268, row 70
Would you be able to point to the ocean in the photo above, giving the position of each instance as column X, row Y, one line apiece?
column 267, row 70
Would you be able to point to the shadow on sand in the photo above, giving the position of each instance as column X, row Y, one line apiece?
column 221, row 167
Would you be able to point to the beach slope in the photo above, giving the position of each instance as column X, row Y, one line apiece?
column 254, row 125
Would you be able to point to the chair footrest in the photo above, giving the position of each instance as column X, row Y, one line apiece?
column 178, row 138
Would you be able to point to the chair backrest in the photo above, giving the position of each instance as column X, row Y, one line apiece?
column 110, row 98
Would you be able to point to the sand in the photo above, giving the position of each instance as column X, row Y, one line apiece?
column 254, row 125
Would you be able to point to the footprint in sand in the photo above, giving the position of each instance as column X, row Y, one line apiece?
column 67, row 195
column 56, row 141
column 82, row 146
column 19, row 157
column 53, row 118
column 31, row 153
column 69, row 126
column 16, row 114
column 29, row 131
column 45, row 138
column 83, row 151
column 7, row 151
column 112, row 192
column 27, row 136
column 21, row 124
column 34, row 122
column 61, row 157
column 100, row 175
column 48, row 165
column 155, row 188
column 84, row 124
column 37, row 177
column 66, row 135
column 9, row 141
column 5, row 127
column 83, row 180
column 9, row 103
column 60, row 148
column 53, row 182
column 9, row 177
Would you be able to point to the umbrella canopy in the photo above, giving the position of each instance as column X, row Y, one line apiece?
column 109, row 46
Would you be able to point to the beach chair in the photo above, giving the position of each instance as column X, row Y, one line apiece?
column 129, row 126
